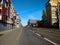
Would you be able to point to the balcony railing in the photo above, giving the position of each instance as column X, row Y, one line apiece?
column 54, row 17
column 0, row 17
column 0, row 6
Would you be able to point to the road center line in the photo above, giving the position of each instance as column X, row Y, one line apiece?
column 50, row 41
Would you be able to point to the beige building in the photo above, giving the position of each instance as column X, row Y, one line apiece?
column 59, row 12
column 51, row 9
column 17, row 21
column 12, row 13
column 15, row 17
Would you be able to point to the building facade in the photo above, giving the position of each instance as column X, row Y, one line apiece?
column 51, row 10
column 12, row 14
column 14, row 17
column 32, row 22
column 59, row 12
column 8, row 15
column 17, row 21
column 4, row 9
column 4, row 13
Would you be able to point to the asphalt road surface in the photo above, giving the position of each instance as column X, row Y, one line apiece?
column 22, row 37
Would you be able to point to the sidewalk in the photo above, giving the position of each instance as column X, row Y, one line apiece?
column 6, row 31
column 51, row 35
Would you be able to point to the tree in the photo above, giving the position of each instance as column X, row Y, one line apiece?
column 44, row 17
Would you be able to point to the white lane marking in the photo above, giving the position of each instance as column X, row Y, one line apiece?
column 19, row 35
column 45, row 38
column 38, row 34
column 50, row 41
column 32, row 31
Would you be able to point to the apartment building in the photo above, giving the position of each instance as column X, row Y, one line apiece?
column 4, row 13
column 12, row 13
column 8, row 15
column 4, row 9
column 59, row 12
column 17, row 21
column 51, row 10
column 15, row 17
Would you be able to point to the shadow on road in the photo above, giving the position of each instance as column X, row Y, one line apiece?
column 1, row 34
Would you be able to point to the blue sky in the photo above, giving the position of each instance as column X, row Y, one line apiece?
column 28, row 9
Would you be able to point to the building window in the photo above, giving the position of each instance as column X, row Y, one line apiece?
column 6, row 5
column 0, row 11
column 53, row 15
column 0, row 1
column 54, row 20
column 54, row 9
column 14, row 17
column 59, row 8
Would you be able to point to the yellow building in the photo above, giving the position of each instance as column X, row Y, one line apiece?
column 51, row 10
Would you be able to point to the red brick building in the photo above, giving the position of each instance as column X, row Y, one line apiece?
column 4, row 9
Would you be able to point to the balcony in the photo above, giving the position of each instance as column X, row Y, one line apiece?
column 54, row 17
column 0, row 17
column 9, row 21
